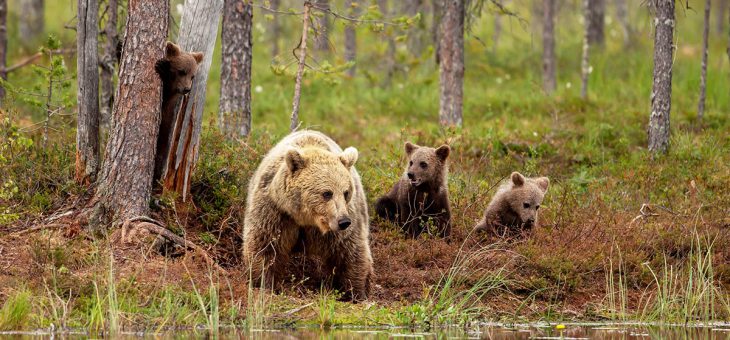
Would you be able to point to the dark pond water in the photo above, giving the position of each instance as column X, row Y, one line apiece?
column 487, row 331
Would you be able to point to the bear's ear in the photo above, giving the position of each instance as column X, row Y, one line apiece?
column 349, row 157
column 518, row 179
column 410, row 147
column 543, row 183
column 162, row 67
column 443, row 152
column 171, row 50
column 198, row 56
column 295, row 161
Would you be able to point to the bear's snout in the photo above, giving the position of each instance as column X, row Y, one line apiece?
column 411, row 176
column 344, row 222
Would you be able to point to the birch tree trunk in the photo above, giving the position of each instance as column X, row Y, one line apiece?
column 596, row 17
column 661, row 93
column 294, row 123
column 125, row 180
column 3, row 46
column 548, row 46
column 109, row 62
column 585, row 68
column 198, row 32
column 322, row 25
column 703, row 72
column 350, row 38
column 275, row 28
column 32, row 24
column 236, row 52
column 87, row 66
column 451, row 67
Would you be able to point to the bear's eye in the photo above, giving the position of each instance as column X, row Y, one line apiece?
column 327, row 195
column 537, row 207
column 411, row 163
column 526, row 205
column 181, row 73
column 347, row 195
column 424, row 165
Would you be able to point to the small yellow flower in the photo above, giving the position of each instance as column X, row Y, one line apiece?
column 560, row 327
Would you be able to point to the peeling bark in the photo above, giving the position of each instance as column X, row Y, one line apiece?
column 661, row 93
column 451, row 67
column 548, row 46
column 234, row 110
column 87, row 65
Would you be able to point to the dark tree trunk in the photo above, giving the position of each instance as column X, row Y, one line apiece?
column 661, row 93
column 87, row 66
column 389, row 62
column 275, row 28
column 451, row 67
column 703, row 72
column 350, row 38
column 109, row 62
column 322, row 25
column 436, row 13
column 3, row 46
column 32, row 24
column 597, row 14
column 235, row 101
column 548, row 46
column 125, row 181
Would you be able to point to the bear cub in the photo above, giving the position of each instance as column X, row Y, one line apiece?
column 177, row 71
column 421, row 197
column 513, row 209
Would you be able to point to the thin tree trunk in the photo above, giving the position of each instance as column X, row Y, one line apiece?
column 109, row 62
column 300, row 70
column 322, row 26
column 3, row 46
column 275, row 28
column 350, row 38
column 703, row 72
column 389, row 62
column 451, row 68
column 198, row 32
column 661, row 93
column 720, row 22
column 596, row 18
column 235, row 100
column 436, row 14
column 415, row 34
column 32, row 23
column 497, row 30
column 548, row 46
column 87, row 65
column 125, row 180
column 585, row 68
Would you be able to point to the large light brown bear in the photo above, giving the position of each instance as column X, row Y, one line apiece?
column 307, row 193
column 513, row 209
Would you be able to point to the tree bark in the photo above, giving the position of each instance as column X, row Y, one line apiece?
column 661, row 93
column 3, row 46
column 415, row 34
column 597, row 14
column 703, row 72
column 294, row 124
column 87, row 66
column 548, row 46
column 109, row 62
column 720, row 22
column 322, row 26
column 236, row 52
column 350, row 38
column 275, row 28
column 389, row 62
column 32, row 24
column 585, row 68
column 125, row 181
column 622, row 15
column 198, row 32
column 436, row 14
column 451, row 67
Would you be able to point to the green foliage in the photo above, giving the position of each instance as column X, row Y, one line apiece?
column 16, row 311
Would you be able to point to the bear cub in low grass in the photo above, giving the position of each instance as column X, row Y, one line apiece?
column 420, row 199
column 177, row 71
column 513, row 210
column 306, row 196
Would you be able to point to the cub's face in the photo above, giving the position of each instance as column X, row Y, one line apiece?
column 424, row 163
column 323, row 184
column 179, row 68
column 526, row 197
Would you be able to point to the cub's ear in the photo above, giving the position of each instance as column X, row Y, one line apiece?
column 162, row 67
column 518, row 179
column 543, row 183
column 443, row 152
column 198, row 56
column 349, row 157
column 171, row 50
column 410, row 147
column 295, row 161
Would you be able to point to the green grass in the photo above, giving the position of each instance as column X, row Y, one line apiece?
column 16, row 311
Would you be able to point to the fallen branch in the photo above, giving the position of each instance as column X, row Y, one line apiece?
column 39, row 227
column 34, row 57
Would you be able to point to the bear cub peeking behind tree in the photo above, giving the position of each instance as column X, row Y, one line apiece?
column 419, row 201
column 513, row 210
column 177, row 71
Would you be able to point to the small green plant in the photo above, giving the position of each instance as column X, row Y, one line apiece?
column 15, row 313
column 326, row 308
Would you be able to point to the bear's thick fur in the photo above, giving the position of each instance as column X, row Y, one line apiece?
column 177, row 71
column 307, row 193
column 420, row 199
column 513, row 209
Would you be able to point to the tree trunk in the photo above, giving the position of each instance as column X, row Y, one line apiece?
column 322, row 26
column 720, row 22
column 294, row 123
column 661, row 93
column 703, row 72
column 415, row 34
column 125, row 181
column 32, row 24
column 585, row 68
column 389, row 62
column 597, row 13
column 275, row 28
column 235, row 101
column 548, row 46
column 109, row 62
column 3, row 46
column 622, row 15
column 87, row 66
column 451, row 67
column 350, row 38
column 497, row 29
column 198, row 32
column 436, row 14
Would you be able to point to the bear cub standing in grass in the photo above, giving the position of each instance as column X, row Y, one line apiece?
column 421, row 197
column 177, row 71
column 306, row 195
column 513, row 210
